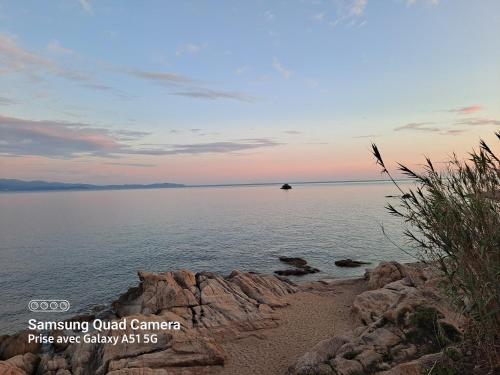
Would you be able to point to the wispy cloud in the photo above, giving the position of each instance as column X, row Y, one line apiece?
column 358, row 7
column 14, row 59
column 351, row 12
column 61, row 139
column 285, row 73
column 87, row 6
column 268, row 15
column 241, row 70
column 367, row 136
column 98, row 86
column 189, row 49
column 419, row 126
column 200, row 93
column 162, row 77
column 141, row 165
column 319, row 17
column 453, row 132
column 425, row 127
column 224, row 147
column 467, row 110
column 55, row 47
column 478, row 121
column 6, row 101
column 293, row 132
column 189, row 87
column 431, row 2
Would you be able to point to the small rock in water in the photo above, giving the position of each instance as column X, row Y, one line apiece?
column 349, row 263
column 300, row 264
column 291, row 272
column 286, row 187
column 297, row 262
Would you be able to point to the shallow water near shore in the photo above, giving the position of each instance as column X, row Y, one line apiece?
column 87, row 246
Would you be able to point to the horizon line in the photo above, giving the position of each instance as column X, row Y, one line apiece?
column 168, row 185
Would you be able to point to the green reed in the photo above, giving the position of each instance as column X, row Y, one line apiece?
column 451, row 216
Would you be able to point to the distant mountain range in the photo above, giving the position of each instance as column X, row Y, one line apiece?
column 19, row 185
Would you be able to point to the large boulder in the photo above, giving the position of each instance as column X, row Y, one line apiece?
column 384, row 273
column 207, row 300
column 371, row 305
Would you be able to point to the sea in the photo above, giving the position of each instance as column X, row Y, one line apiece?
column 86, row 247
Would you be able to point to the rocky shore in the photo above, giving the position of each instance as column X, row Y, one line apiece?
column 393, row 321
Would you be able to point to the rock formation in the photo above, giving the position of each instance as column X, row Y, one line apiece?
column 209, row 308
column 404, row 324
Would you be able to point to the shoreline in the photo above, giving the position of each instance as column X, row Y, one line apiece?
column 244, row 323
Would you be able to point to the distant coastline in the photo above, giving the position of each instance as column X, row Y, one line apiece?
column 8, row 185
column 14, row 185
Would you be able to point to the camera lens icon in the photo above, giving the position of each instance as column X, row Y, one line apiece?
column 33, row 305
column 48, row 305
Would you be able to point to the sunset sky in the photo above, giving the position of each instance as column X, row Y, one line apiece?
column 103, row 91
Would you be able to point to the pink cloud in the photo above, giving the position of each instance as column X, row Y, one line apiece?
column 468, row 110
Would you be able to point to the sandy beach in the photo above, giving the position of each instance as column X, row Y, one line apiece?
column 317, row 312
column 250, row 323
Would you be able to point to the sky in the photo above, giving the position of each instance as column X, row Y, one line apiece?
column 200, row 92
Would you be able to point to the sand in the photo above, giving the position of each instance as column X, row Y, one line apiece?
column 317, row 312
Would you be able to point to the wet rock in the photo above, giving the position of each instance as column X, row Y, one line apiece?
column 286, row 187
column 301, row 267
column 294, row 261
column 349, row 263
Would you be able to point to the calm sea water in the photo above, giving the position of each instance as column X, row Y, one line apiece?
column 87, row 247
